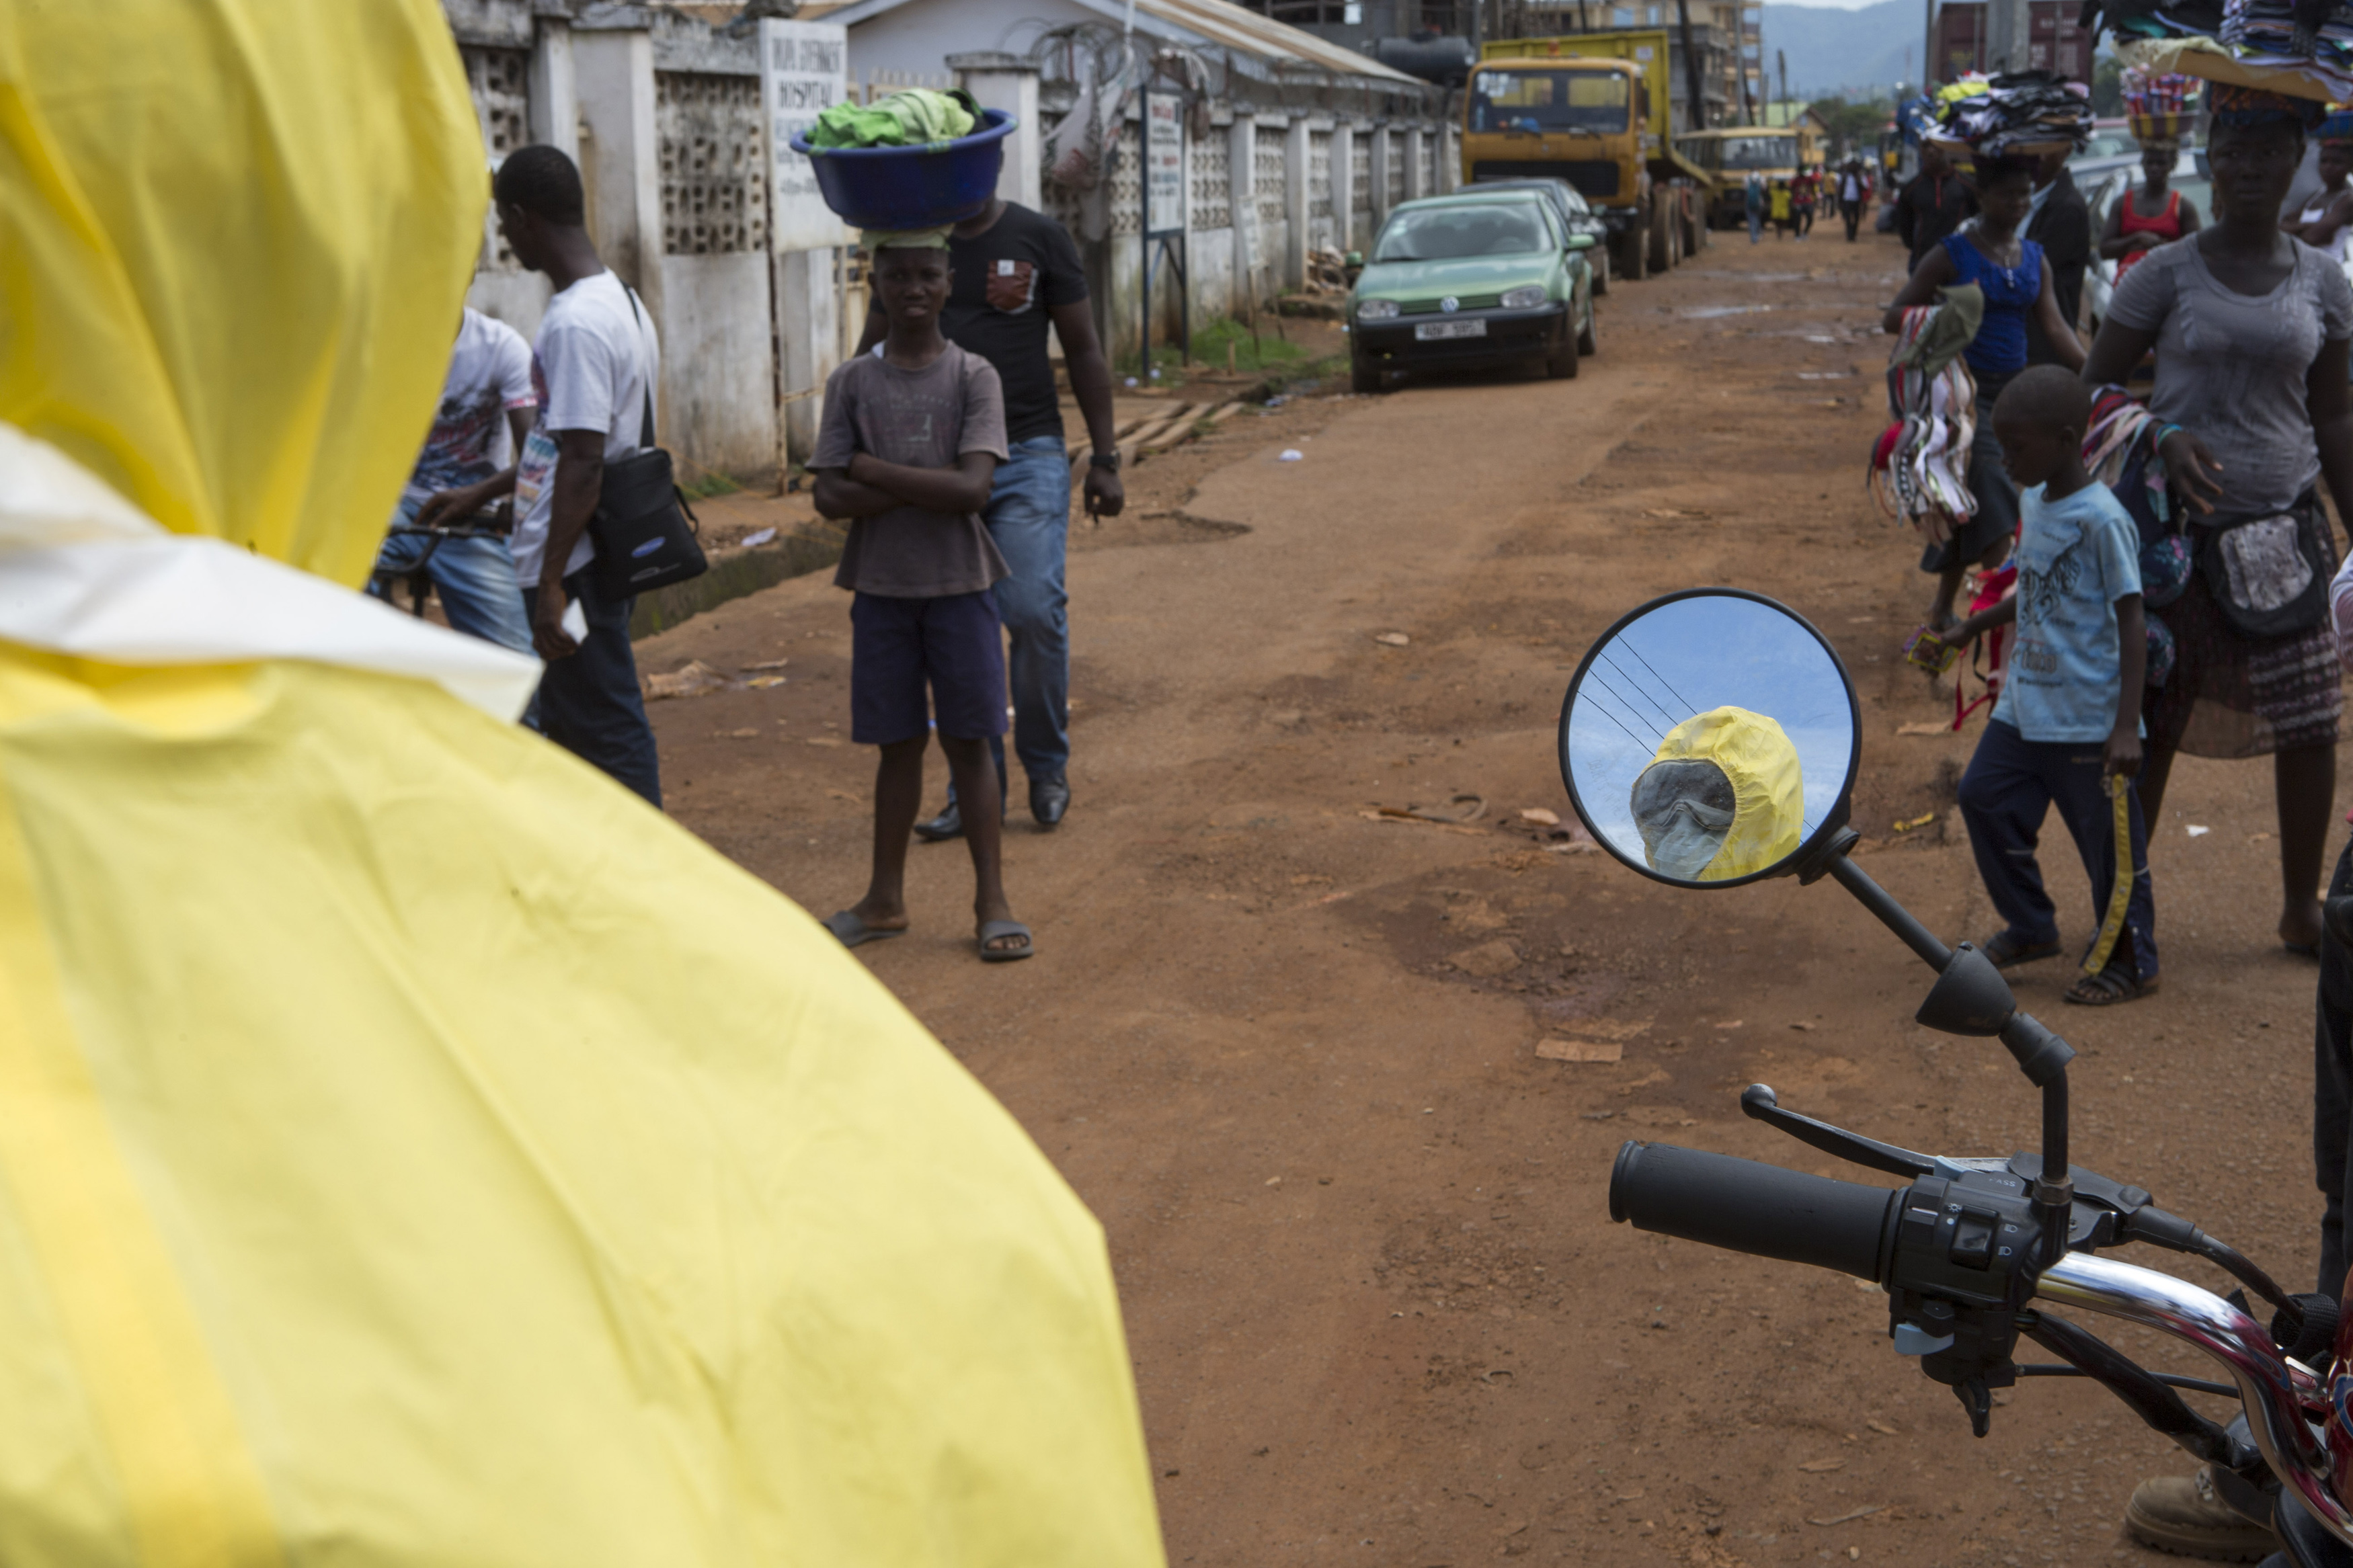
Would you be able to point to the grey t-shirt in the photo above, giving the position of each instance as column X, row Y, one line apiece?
column 923, row 418
column 2232, row 368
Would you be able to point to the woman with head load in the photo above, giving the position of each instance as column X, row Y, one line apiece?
column 2152, row 215
column 1987, row 255
column 1722, row 797
column 2251, row 329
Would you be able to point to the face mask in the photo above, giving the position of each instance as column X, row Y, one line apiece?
column 1684, row 809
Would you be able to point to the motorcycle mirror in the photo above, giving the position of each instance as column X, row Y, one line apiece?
column 1710, row 738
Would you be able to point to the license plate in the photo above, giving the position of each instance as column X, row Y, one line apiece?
column 1424, row 332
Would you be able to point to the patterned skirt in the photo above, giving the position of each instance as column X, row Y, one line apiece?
column 2230, row 696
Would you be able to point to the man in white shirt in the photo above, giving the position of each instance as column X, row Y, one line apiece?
column 595, row 364
column 467, row 463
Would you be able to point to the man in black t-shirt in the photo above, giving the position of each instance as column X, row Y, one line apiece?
column 1935, row 204
column 1014, row 274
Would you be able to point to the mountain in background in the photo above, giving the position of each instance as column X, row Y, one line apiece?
column 1859, row 52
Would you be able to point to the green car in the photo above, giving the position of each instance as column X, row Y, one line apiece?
column 1475, row 277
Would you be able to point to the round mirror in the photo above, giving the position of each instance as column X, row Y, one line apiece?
column 1709, row 738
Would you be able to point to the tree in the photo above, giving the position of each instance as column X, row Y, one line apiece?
column 1854, row 125
column 2107, row 87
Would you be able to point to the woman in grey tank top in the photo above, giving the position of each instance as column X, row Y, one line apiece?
column 2251, row 329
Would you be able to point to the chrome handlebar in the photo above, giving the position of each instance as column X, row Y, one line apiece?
column 2285, row 1403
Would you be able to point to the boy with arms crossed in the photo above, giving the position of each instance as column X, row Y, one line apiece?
column 908, row 446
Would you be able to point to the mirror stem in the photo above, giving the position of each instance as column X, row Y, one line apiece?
column 1892, row 915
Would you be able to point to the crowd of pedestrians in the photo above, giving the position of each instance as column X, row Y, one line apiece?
column 942, row 445
column 2180, row 599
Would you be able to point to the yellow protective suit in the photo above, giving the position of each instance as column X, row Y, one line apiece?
column 415, row 1150
column 1767, row 786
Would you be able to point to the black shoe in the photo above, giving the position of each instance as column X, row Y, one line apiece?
column 947, row 824
column 1048, row 799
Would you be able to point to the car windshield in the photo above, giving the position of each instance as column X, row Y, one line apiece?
column 1760, row 151
column 1592, row 102
column 1449, row 233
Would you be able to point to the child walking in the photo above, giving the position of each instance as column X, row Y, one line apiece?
column 909, row 443
column 2066, row 728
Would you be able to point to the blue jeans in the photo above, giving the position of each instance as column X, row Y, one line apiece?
column 589, row 705
column 1029, row 515
column 475, row 577
column 2010, row 783
column 1755, row 226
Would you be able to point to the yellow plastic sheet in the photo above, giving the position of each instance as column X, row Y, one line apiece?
column 414, row 1150
column 1767, row 786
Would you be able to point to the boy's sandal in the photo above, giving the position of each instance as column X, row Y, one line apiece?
column 2110, row 987
column 995, row 931
column 2007, row 951
column 851, row 931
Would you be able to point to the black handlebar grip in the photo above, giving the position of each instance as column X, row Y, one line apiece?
column 1745, row 1206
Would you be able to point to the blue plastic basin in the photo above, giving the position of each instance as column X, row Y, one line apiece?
column 913, row 188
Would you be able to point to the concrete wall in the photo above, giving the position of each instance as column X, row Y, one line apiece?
column 718, row 369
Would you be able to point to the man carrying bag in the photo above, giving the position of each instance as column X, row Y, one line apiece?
column 596, row 361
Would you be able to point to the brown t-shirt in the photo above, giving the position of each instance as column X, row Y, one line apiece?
column 923, row 418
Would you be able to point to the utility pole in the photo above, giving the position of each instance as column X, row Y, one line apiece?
column 1697, row 114
column 1782, row 59
column 1929, row 52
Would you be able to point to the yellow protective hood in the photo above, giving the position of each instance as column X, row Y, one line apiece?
column 1767, row 786
column 414, row 1150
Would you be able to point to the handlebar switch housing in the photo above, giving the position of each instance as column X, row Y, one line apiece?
column 1964, row 1265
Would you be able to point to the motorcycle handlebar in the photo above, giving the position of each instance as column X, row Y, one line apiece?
column 1742, row 1205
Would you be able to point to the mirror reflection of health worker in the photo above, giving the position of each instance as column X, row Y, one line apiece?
column 1722, row 797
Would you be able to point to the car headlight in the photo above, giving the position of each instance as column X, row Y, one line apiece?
column 1375, row 310
column 1526, row 298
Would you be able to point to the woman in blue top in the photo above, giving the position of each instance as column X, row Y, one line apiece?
column 1988, row 253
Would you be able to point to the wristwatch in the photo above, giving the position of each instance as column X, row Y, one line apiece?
column 1104, row 460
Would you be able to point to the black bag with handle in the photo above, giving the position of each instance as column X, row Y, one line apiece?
column 644, row 532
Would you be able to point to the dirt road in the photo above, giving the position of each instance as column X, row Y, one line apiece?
column 1286, row 1053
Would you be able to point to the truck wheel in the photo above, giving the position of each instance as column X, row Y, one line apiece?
column 1633, row 250
column 1363, row 377
column 1663, row 238
column 1560, row 360
column 1694, row 235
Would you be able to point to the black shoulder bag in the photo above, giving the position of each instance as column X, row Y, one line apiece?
column 645, row 535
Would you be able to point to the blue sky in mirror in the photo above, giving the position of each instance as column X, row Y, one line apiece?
column 1686, row 657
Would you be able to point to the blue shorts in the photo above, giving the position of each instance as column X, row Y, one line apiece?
column 897, row 645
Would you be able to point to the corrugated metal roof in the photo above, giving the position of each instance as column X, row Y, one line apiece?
column 1219, row 23
column 1247, row 32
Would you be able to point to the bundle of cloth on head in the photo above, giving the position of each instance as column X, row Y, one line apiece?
column 415, row 1149
column 2243, row 108
column 1920, row 464
column 916, row 117
column 2288, row 33
column 933, row 238
column 2335, row 128
column 2018, row 114
column 1723, row 796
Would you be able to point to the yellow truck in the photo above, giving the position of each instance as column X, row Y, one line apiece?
column 1591, row 109
column 1731, row 154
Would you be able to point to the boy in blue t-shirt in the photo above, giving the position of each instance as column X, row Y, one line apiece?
column 2068, row 718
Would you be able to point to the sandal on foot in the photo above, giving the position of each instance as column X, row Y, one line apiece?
column 2109, row 987
column 846, row 925
column 992, row 931
column 2007, row 951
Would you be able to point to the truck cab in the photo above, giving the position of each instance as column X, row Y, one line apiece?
column 1589, row 108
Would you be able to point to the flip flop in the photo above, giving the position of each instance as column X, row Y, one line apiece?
column 992, row 929
column 851, row 931
column 2110, row 987
column 2008, row 953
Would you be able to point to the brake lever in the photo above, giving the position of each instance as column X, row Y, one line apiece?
column 1759, row 1102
